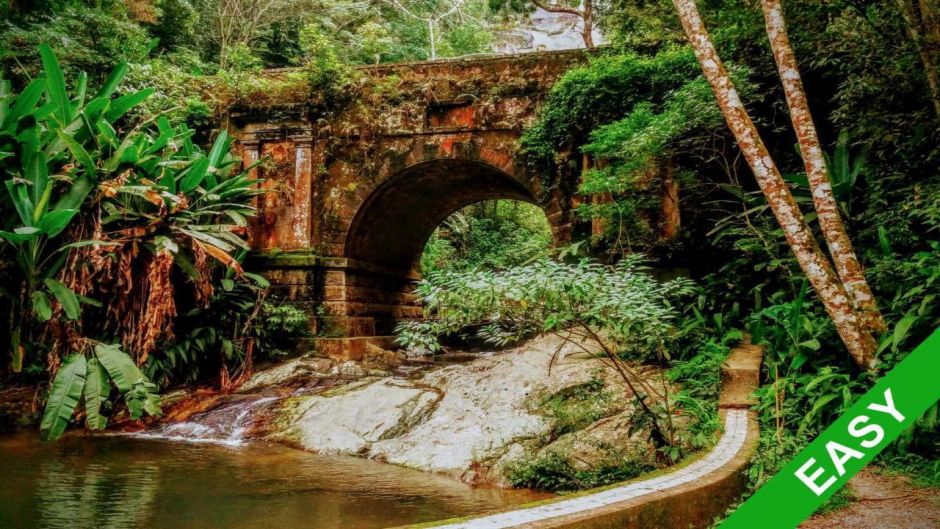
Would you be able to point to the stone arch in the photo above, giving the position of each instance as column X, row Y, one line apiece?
column 369, row 290
column 395, row 221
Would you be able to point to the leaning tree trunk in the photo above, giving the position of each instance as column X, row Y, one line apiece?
column 858, row 340
column 830, row 221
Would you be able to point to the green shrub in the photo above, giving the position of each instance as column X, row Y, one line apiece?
column 553, row 472
column 578, row 407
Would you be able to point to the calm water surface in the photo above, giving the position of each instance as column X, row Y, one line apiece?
column 118, row 482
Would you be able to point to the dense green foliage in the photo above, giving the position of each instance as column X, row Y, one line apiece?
column 553, row 472
column 651, row 117
column 492, row 235
column 624, row 303
column 101, row 224
column 108, row 191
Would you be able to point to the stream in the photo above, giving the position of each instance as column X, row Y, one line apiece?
column 378, row 451
column 109, row 482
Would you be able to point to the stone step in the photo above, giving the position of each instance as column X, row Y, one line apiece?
column 348, row 326
column 369, row 295
column 740, row 377
column 381, row 310
column 342, row 349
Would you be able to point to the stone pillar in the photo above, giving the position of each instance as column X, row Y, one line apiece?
column 250, row 152
column 303, row 221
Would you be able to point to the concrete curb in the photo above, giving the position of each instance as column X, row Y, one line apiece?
column 688, row 496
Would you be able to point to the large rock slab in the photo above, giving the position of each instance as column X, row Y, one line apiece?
column 449, row 420
column 362, row 414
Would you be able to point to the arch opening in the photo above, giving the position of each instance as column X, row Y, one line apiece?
column 490, row 235
column 394, row 223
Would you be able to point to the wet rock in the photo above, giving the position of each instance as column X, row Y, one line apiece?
column 320, row 365
column 348, row 369
column 291, row 373
column 377, row 358
column 352, row 420
column 606, row 442
column 456, row 420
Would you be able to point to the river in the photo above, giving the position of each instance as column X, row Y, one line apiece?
column 109, row 482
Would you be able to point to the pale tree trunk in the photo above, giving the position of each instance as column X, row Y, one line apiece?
column 587, row 32
column 830, row 221
column 858, row 340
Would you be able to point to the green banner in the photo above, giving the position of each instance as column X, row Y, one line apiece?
column 845, row 447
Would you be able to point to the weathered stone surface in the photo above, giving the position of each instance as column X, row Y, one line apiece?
column 459, row 419
column 603, row 443
column 350, row 198
column 740, row 377
column 350, row 423
column 348, row 369
column 290, row 371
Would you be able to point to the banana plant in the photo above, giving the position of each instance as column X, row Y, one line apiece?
column 47, row 160
column 89, row 380
column 64, row 164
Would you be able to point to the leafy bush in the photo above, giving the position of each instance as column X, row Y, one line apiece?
column 700, row 375
column 87, row 39
column 90, row 380
column 598, row 94
column 278, row 324
column 553, row 472
column 621, row 309
column 623, row 303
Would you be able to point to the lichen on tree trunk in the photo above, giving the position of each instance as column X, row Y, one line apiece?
column 858, row 340
column 830, row 221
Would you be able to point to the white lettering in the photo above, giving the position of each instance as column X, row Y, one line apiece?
column 839, row 461
column 855, row 431
column 810, row 481
column 887, row 407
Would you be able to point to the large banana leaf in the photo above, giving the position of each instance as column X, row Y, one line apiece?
column 76, row 194
column 66, row 298
column 79, row 152
column 53, row 222
column 119, row 366
column 97, row 388
column 64, row 396
column 25, row 103
column 41, row 305
column 55, row 85
column 123, row 104
column 114, row 79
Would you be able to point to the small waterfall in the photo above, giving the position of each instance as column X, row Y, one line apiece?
column 225, row 425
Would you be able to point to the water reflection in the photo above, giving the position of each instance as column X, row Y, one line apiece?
column 94, row 495
column 121, row 482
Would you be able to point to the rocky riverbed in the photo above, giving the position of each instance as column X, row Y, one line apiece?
column 545, row 399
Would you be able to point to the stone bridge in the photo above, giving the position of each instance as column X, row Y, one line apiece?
column 352, row 195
